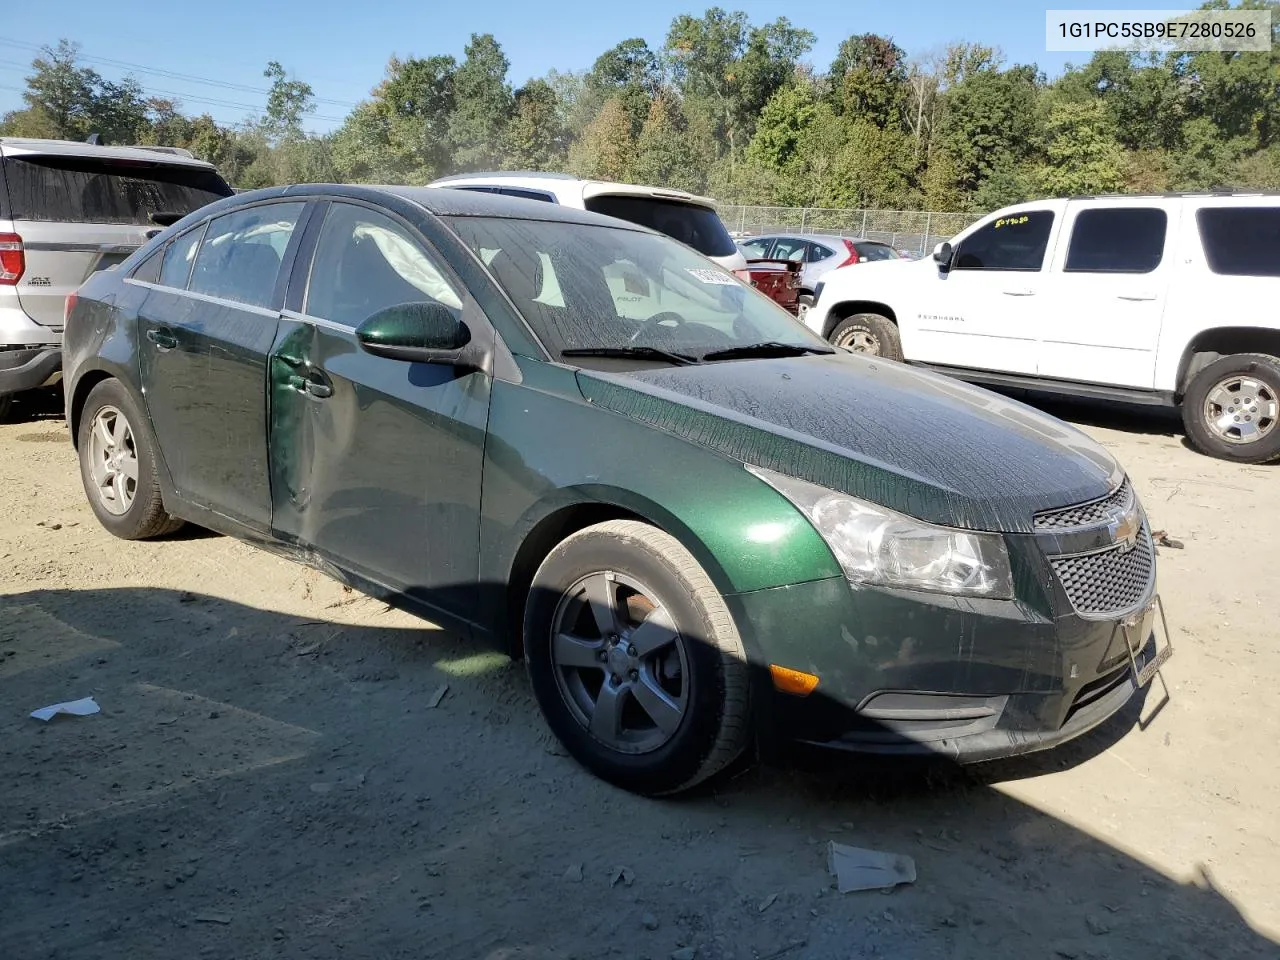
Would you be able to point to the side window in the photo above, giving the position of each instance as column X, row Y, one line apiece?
column 527, row 194
column 789, row 248
column 1014, row 242
column 240, row 257
column 758, row 248
column 176, row 269
column 1241, row 241
column 817, row 252
column 1117, row 240
column 149, row 270
column 366, row 261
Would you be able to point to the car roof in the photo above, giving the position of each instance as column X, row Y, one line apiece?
column 24, row 146
column 452, row 203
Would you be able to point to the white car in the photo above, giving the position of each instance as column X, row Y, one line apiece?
column 688, row 218
column 1162, row 300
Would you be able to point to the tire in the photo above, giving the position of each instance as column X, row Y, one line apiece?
column 130, row 508
column 1231, row 409
column 6, row 407
column 804, row 303
column 868, row 333
column 701, row 670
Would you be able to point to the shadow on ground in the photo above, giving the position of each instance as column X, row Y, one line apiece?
column 259, row 785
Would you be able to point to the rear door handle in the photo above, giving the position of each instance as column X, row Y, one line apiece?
column 162, row 338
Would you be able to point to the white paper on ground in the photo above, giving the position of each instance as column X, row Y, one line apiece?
column 76, row 708
column 857, row 869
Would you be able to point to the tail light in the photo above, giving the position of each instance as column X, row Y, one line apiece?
column 853, row 254
column 13, row 259
column 70, row 305
column 743, row 275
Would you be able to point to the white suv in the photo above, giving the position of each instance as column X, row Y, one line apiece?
column 688, row 218
column 1163, row 300
column 66, row 211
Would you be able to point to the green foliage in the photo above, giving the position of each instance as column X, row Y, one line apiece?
column 287, row 102
column 1079, row 150
column 663, row 154
column 605, row 149
column 869, row 80
column 535, row 138
column 483, row 105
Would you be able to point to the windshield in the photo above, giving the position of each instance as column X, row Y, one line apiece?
column 85, row 190
column 583, row 287
column 689, row 223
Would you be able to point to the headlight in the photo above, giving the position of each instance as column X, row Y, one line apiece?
column 878, row 546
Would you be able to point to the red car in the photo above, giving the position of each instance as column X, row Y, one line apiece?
column 777, row 279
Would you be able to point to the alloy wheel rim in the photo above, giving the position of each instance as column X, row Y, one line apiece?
column 1241, row 409
column 620, row 662
column 113, row 461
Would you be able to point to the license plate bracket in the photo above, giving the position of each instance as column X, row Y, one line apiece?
column 1142, row 629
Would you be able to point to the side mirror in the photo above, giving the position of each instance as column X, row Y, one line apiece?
column 416, row 332
column 942, row 255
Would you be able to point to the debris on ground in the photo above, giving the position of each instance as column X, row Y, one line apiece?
column 574, row 873
column 219, row 918
column 649, row 922
column 857, row 869
column 76, row 708
column 434, row 700
column 622, row 875
column 1163, row 539
column 768, row 902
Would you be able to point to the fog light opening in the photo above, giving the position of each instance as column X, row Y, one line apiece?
column 795, row 682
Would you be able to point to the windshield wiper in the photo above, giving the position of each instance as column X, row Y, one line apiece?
column 639, row 353
column 770, row 348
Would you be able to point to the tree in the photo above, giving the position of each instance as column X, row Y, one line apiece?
column 605, row 149
column 629, row 71
column 782, row 125
column 483, row 104
column 288, row 101
column 869, row 80
column 664, row 158
column 1081, row 155
column 535, row 137
column 990, row 124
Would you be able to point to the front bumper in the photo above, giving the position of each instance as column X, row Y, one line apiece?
column 28, row 368
column 920, row 675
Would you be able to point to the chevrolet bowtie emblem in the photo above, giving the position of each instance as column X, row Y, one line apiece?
column 1124, row 529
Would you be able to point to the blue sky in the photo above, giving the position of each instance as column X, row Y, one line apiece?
column 342, row 48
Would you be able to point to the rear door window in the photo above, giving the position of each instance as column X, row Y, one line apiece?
column 89, row 190
column 817, row 252
column 175, row 269
column 241, row 254
column 699, row 227
column 1014, row 242
column 789, row 248
column 1241, row 241
column 1117, row 240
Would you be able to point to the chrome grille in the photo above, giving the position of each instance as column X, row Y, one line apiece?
column 1110, row 582
column 1086, row 514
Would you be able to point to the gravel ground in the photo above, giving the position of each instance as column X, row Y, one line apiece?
column 268, row 777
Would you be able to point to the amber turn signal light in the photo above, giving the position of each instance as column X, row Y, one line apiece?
column 792, row 681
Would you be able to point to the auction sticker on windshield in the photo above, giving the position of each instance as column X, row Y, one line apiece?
column 711, row 276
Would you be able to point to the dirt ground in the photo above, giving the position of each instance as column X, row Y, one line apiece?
column 268, row 778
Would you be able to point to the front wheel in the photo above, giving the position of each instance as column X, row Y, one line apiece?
column 868, row 333
column 804, row 303
column 635, row 660
column 1231, row 410
column 118, row 465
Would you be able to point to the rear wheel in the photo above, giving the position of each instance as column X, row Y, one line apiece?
column 635, row 660
column 118, row 465
column 868, row 333
column 1231, row 410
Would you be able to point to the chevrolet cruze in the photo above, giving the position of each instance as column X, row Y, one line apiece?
column 702, row 526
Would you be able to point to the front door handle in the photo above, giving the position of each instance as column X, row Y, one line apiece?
column 1136, row 296
column 162, row 338
column 1019, row 293
column 314, row 382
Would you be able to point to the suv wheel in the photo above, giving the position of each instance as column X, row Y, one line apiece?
column 635, row 660
column 868, row 333
column 1231, row 410
column 118, row 465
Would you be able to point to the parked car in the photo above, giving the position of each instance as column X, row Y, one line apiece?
column 688, row 218
column 819, row 253
column 779, row 280
column 66, row 211
column 695, row 519
column 1160, row 300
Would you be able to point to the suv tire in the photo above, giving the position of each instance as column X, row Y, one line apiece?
column 868, row 333
column 130, row 507
column 658, row 642
column 1231, row 409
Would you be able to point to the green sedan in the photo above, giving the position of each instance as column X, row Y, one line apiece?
column 578, row 440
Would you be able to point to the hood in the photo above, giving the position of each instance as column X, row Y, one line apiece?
column 919, row 443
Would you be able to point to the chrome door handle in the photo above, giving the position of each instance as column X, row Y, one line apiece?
column 1019, row 293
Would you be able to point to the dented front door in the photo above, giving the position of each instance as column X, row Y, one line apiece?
column 375, row 463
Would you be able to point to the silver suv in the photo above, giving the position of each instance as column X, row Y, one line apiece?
column 66, row 211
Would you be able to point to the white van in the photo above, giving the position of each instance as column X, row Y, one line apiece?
column 1163, row 300
column 688, row 218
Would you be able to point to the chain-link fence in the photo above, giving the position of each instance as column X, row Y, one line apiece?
column 916, row 231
